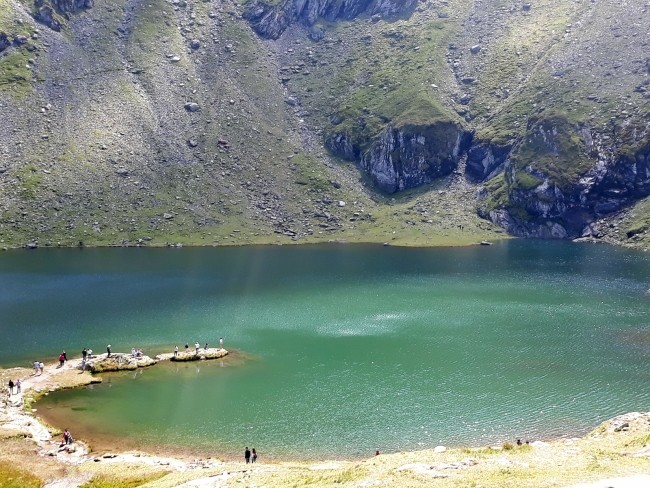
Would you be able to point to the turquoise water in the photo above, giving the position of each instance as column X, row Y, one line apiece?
column 339, row 350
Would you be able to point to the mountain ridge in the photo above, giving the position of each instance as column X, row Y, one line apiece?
column 141, row 121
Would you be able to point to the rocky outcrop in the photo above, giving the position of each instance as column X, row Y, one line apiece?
column 52, row 12
column 485, row 160
column 539, row 206
column 411, row 155
column 202, row 354
column 117, row 362
column 341, row 144
column 4, row 41
column 270, row 19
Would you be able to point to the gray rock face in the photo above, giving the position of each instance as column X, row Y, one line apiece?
column 408, row 156
column 484, row 160
column 47, row 11
column 548, row 211
column 341, row 145
column 4, row 41
column 271, row 20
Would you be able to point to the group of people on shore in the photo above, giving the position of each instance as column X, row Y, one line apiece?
column 136, row 353
column 250, row 456
column 197, row 347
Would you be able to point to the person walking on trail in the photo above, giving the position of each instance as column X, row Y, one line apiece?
column 41, row 367
column 37, row 367
column 18, row 385
column 108, row 351
column 61, row 360
column 11, row 387
column 247, row 455
column 84, row 353
column 67, row 438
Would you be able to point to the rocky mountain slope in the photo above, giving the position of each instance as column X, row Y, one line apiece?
column 212, row 122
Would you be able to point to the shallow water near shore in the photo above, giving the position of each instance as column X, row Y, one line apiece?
column 339, row 349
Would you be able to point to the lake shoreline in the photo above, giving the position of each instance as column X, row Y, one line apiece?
column 629, row 432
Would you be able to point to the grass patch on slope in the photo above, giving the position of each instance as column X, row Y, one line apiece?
column 112, row 481
column 11, row 477
column 636, row 224
column 15, row 76
column 365, row 76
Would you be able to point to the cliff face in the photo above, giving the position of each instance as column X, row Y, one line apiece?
column 538, row 203
column 271, row 19
column 408, row 156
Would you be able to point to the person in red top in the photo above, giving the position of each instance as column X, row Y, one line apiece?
column 61, row 360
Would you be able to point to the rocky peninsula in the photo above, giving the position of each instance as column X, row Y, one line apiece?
column 617, row 453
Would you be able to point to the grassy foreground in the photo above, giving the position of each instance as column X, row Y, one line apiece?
column 619, row 448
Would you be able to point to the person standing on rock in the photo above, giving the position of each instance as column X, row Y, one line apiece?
column 220, row 342
column 67, row 438
column 11, row 387
column 247, row 455
column 108, row 351
column 187, row 347
column 254, row 456
column 175, row 351
column 65, row 356
column 206, row 346
column 84, row 353
column 197, row 346
column 61, row 360
column 37, row 367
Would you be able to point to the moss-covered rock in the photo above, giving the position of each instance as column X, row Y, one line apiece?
column 561, row 178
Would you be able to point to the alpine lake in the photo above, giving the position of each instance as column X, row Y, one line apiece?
column 337, row 350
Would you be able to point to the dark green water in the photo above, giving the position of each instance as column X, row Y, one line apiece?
column 342, row 349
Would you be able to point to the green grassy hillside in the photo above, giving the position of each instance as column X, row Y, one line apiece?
column 173, row 122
